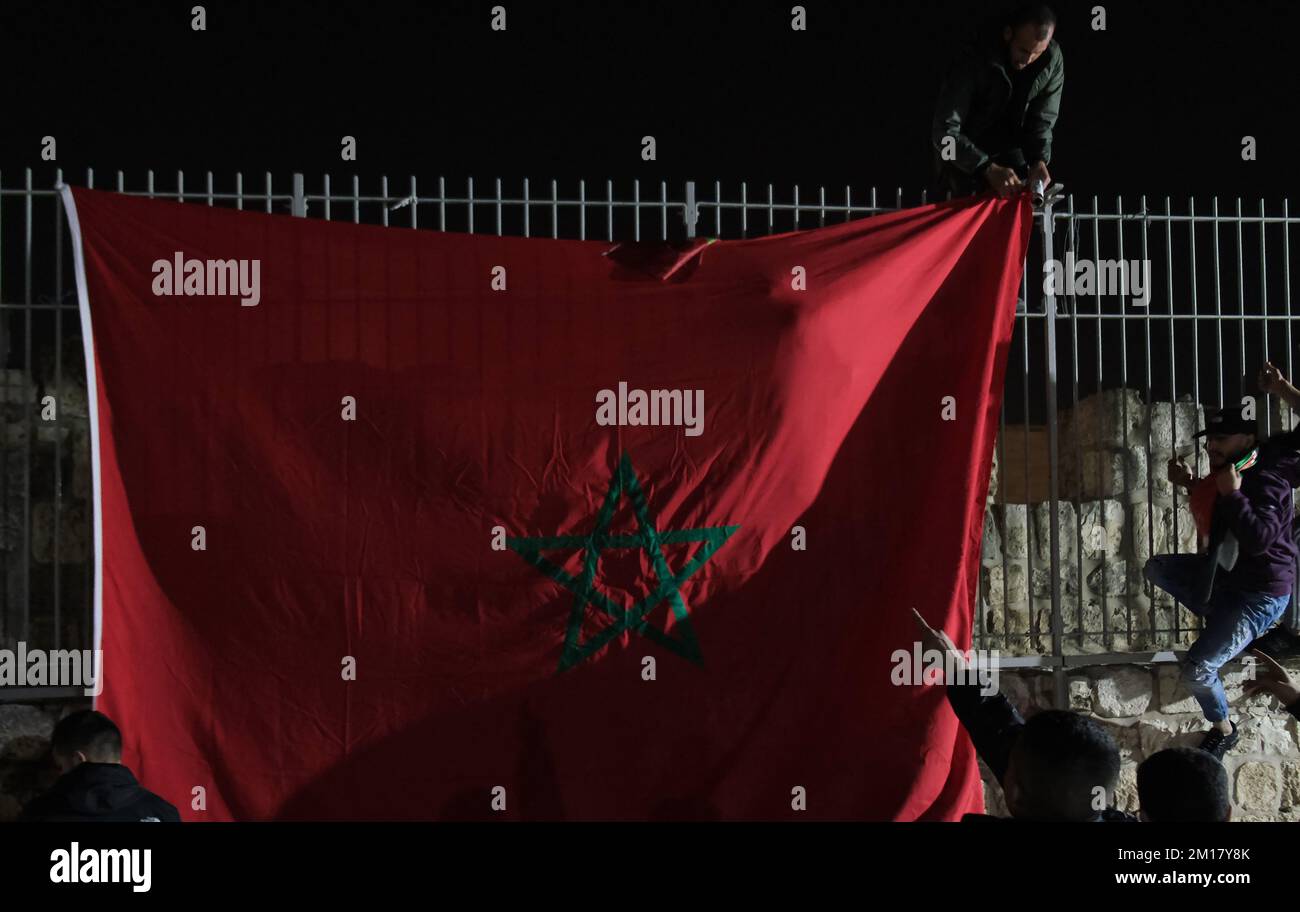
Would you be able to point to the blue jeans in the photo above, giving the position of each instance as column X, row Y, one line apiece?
column 1232, row 620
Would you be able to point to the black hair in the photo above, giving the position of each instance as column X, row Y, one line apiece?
column 1039, row 14
column 1061, row 759
column 1183, row 785
column 90, row 732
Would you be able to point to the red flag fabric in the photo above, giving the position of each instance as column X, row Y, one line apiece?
column 400, row 524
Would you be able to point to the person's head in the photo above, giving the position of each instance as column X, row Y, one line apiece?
column 1060, row 766
column 85, row 737
column 1027, row 33
column 1228, row 436
column 1183, row 785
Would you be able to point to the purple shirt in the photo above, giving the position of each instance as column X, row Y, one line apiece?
column 1260, row 515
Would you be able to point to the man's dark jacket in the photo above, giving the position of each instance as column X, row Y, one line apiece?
column 99, row 791
column 989, row 119
column 994, row 725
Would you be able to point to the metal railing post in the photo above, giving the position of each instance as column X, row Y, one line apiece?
column 691, row 213
column 299, row 197
column 1054, row 521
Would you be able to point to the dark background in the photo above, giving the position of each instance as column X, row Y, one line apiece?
column 1157, row 103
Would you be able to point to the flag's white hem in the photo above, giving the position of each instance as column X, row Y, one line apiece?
column 92, row 404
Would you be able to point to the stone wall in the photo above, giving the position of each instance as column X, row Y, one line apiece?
column 1146, row 710
column 1115, row 509
column 38, row 458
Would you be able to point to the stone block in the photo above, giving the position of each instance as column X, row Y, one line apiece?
column 1015, row 531
column 1105, row 473
column 1043, row 531
column 1110, row 418
column 1173, row 423
column 1080, row 691
column 1101, row 528
column 1265, row 734
column 1160, row 527
column 1005, row 586
column 1121, row 691
column 1110, row 579
column 1174, row 698
column 1291, row 785
column 1126, row 794
column 1258, row 787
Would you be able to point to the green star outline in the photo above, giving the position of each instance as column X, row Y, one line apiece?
column 648, row 538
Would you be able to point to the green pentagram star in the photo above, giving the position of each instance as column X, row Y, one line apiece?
column 647, row 538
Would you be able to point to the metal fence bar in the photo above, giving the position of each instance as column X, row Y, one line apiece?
column 26, row 406
column 1173, row 391
column 1123, row 347
column 57, row 508
column 1263, row 306
column 1108, row 640
column 1054, row 519
column 1031, row 539
column 1078, row 457
column 1149, row 405
column 1241, row 303
column 1293, row 613
column 1218, row 301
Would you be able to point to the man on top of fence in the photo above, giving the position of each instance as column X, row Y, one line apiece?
column 1241, row 579
column 997, row 107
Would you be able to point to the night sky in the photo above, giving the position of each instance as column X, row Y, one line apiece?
column 1157, row 103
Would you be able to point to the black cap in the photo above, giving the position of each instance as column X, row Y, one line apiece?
column 1227, row 420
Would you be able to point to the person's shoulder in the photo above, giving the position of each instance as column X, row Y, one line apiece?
column 1280, row 455
column 154, row 808
column 1057, row 56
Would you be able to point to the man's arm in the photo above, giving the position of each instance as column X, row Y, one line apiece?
column 1272, row 678
column 950, row 115
column 1040, row 117
column 1272, row 381
column 991, row 721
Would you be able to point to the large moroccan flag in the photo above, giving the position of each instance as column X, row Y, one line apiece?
column 421, row 525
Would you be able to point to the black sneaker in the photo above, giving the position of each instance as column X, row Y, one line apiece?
column 1216, row 743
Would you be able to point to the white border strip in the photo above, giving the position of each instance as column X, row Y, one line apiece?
column 92, row 405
